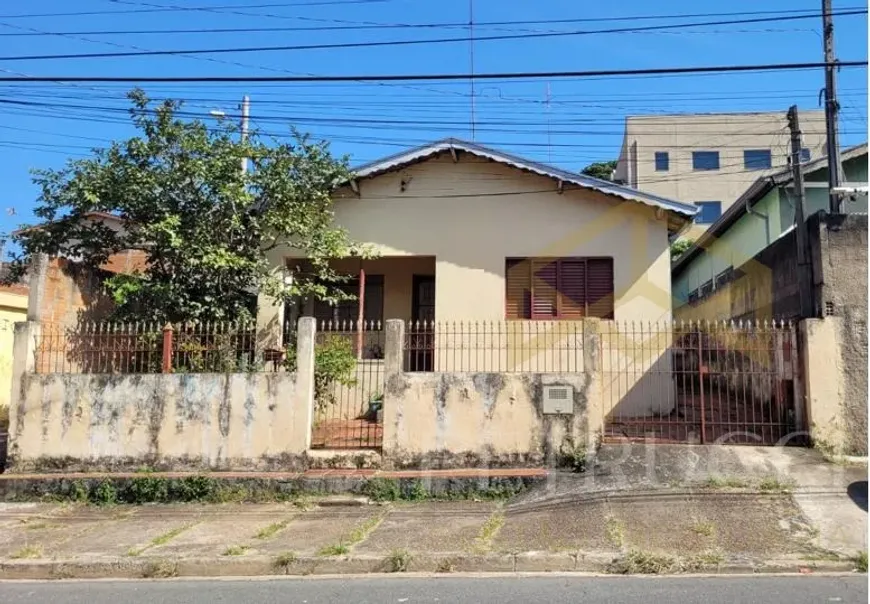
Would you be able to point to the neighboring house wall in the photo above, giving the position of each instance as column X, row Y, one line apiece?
column 13, row 308
column 65, row 292
column 772, row 217
column 474, row 214
column 729, row 134
column 765, row 286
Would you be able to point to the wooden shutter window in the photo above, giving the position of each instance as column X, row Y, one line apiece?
column 545, row 288
column 599, row 287
column 572, row 288
column 518, row 286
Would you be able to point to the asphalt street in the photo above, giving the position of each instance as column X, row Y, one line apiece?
column 485, row 590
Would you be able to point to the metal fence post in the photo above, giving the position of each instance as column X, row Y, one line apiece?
column 167, row 348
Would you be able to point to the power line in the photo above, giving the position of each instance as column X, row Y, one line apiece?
column 351, row 25
column 388, row 43
column 717, row 69
column 191, row 8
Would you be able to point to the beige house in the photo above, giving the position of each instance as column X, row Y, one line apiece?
column 464, row 232
column 710, row 159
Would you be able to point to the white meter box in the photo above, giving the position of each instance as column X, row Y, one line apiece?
column 558, row 400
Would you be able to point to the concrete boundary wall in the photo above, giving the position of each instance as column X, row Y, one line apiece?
column 439, row 420
column 431, row 420
column 240, row 421
column 835, row 373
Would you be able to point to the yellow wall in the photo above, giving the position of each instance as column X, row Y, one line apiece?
column 13, row 308
column 474, row 214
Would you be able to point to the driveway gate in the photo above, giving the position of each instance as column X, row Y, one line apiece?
column 728, row 383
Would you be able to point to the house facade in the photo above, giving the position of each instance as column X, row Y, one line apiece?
column 463, row 232
column 710, row 159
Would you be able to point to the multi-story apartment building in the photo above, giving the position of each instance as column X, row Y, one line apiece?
column 710, row 159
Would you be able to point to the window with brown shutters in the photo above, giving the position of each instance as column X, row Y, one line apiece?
column 558, row 288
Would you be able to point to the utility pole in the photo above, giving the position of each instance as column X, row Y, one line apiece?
column 803, row 259
column 471, row 60
column 246, row 113
column 832, row 108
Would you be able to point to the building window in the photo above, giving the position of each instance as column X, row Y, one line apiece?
column 706, row 289
column 663, row 161
column 708, row 212
column 558, row 288
column 806, row 155
column 756, row 159
column 348, row 310
column 705, row 160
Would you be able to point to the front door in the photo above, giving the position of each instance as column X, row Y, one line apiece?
column 421, row 343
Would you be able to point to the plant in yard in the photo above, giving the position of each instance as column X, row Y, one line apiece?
column 860, row 560
column 205, row 226
column 334, row 364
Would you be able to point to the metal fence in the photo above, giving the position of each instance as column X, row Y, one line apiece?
column 701, row 382
column 116, row 347
column 348, row 385
column 495, row 346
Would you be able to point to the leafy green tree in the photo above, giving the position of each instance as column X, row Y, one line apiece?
column 206, row 227
column 600, row 169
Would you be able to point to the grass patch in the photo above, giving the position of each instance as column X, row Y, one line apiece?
column 398, row 561
column 704, row 528
column 160, row 569
column 161, row 539
column 614, row 532
column 357, row 535
column 860, row 561
column 726, row 482
column 820, row 555
column 772, row 484
column 284, row 561
column 445, row 566
column 488, row 532
column 337, row 549
column 27, row 552
column 637, row 562
column 236, row 550
column 269, row 531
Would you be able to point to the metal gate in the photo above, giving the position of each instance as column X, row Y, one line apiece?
column 725, row 382
column 348, row 385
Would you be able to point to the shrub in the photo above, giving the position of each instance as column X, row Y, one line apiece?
column 334, row 363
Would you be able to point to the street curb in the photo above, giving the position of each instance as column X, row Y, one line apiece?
column 442, row 564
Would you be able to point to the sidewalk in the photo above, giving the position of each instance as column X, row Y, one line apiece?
column 637, row 532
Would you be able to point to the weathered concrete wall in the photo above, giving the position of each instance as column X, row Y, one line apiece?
column 436, row 420
column 203, row 421
column 835, row 404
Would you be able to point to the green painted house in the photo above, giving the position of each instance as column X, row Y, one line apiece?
column 760, row 218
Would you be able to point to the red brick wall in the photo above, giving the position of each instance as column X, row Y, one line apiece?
column 73, row 293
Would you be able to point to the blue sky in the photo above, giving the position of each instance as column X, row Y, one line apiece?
column 371, row 120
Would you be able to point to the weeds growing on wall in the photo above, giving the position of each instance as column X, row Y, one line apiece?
column 147, row 487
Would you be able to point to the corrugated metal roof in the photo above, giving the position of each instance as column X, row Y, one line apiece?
column 404, row 158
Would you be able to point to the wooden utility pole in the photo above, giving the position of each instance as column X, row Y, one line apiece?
column 832, row 108
column 803, row 258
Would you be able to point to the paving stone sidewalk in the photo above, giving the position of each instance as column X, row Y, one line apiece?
column 678, row 531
